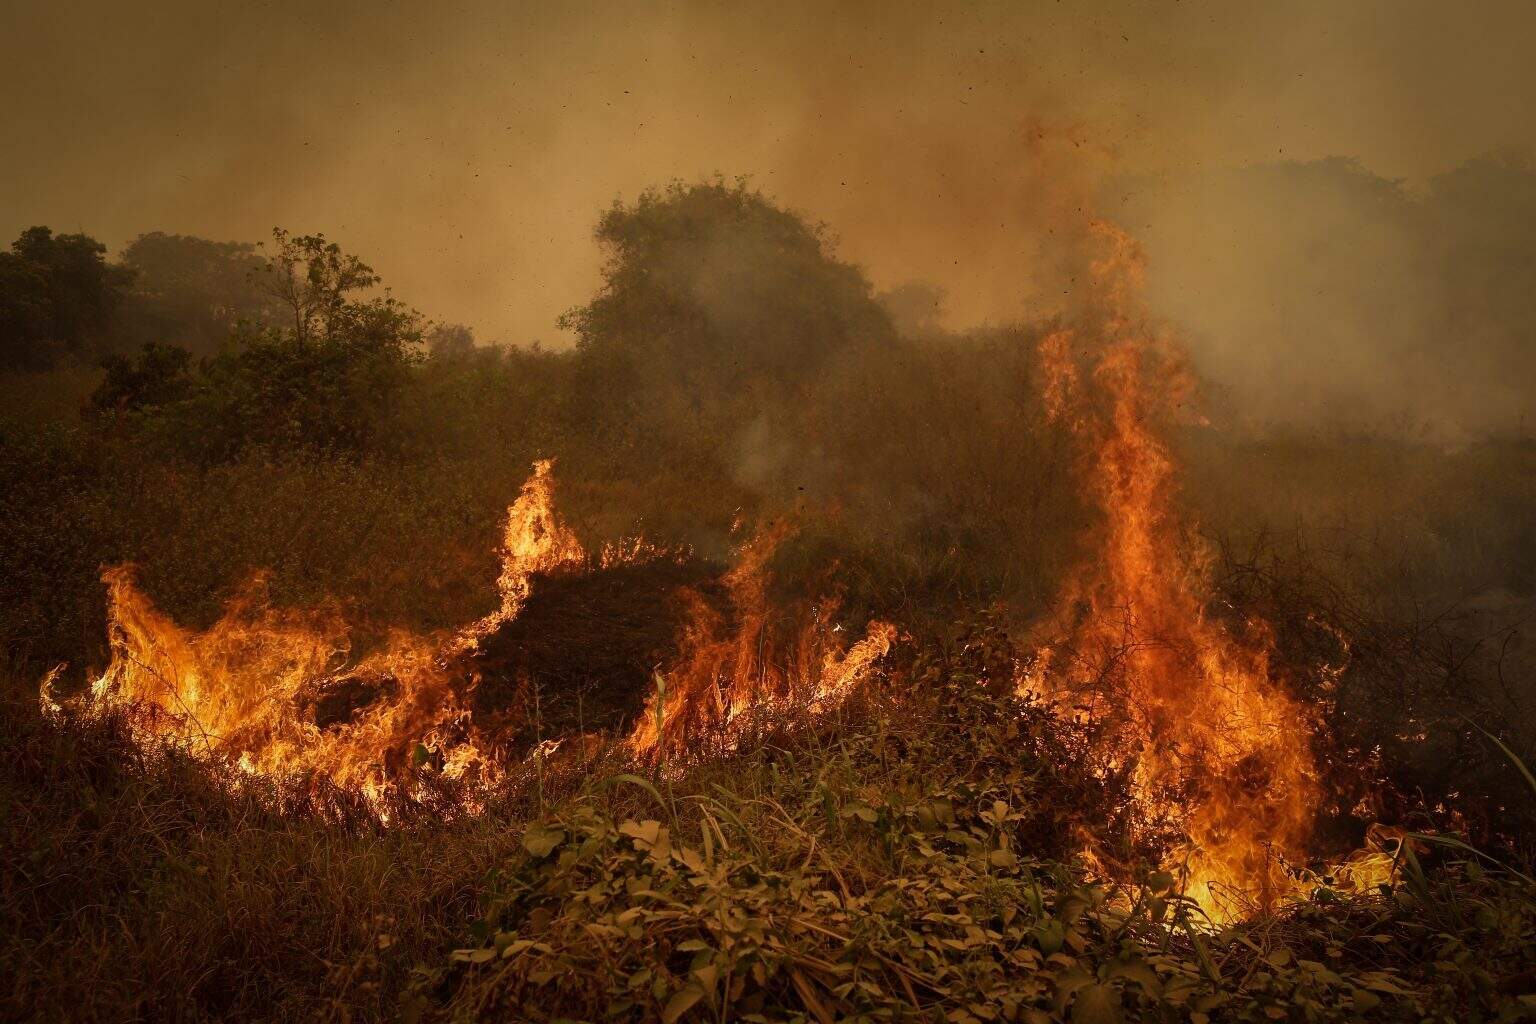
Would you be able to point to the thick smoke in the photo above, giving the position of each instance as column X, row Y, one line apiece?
column 467, row 147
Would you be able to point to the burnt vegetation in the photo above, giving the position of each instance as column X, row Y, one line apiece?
column 938, row 846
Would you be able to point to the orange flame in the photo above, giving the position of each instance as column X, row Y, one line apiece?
column 274, row 690
column 728, row 678
column 280, row 693
column 1219, row 745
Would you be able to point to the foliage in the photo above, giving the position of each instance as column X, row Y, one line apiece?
column 191, row 292
column 136, row 885
column 883, row 871
column 160, row 376
column 716, row 307
column 57, row 295
column 732, row 366
column 328, row 380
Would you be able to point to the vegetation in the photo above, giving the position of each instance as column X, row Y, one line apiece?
column 210, row 410
column 873, row 867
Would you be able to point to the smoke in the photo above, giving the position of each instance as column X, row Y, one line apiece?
column 1321, row 294
column 466, row 149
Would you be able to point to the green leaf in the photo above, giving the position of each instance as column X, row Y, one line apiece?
column 1141, row 973
column 1049, row 936
column 635, row 780
column 859, row 809
column 541, row 840
column 644, row 833
column 1096, row 1004
column 681, row 1001
column 1365, row 1001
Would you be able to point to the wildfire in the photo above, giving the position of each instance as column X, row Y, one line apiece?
column 1217, row 743
column 729, row 678
column 278, row 692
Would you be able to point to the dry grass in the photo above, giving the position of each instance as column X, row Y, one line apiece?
column 137, row 884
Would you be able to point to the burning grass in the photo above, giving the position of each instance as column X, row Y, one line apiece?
column 770, row 812
column 915, row 854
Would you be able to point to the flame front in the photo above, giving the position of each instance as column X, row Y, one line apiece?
column 258, row 686
column 1215, row 743
column 731, row 678
column 1218, row 745
column 279, row 692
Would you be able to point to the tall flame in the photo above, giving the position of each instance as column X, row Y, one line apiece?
column 1219, row 746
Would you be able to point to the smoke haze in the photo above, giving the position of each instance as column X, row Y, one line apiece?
column 467, row 148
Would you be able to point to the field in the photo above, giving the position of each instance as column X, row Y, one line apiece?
column 754, row 660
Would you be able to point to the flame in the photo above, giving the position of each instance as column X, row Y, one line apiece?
column 1219, row 746
column 279, row 692
column 533, row 541
column 729, row 678
column 255, row 687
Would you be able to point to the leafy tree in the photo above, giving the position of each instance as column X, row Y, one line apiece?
column 716, row 306
column 192, row 292
column 450, row 341
column 160, row 376
column 328, row 378
column 58, row 295
column 23, row 314
column 311, row 280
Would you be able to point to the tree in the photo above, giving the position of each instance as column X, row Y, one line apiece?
column 58, row 295
column 23, row 314
column 311, row 278
column 159, row 376
column 716, row 305
column 328, row 376
column 450, row 342
column 192, row 292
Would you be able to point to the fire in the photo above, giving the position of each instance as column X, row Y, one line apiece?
column 533, row 541
column 279, row 693
column 1218, row 745
column 729, row 678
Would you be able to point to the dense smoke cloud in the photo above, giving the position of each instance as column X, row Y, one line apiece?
column 467, row 148
column 1321, row 294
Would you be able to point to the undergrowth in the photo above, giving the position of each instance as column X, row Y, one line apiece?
column 921, row 866
column 914, row 856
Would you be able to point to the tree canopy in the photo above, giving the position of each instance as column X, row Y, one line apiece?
column 715, row 304
column 58, row 295
column 192, row 292
column 323, row 376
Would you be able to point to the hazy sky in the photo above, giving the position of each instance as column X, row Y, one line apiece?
column 466, row 149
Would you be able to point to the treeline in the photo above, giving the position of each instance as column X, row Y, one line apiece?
column 276, row 408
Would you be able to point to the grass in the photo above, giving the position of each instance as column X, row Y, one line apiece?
column 914, row 857
column 138, row 884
